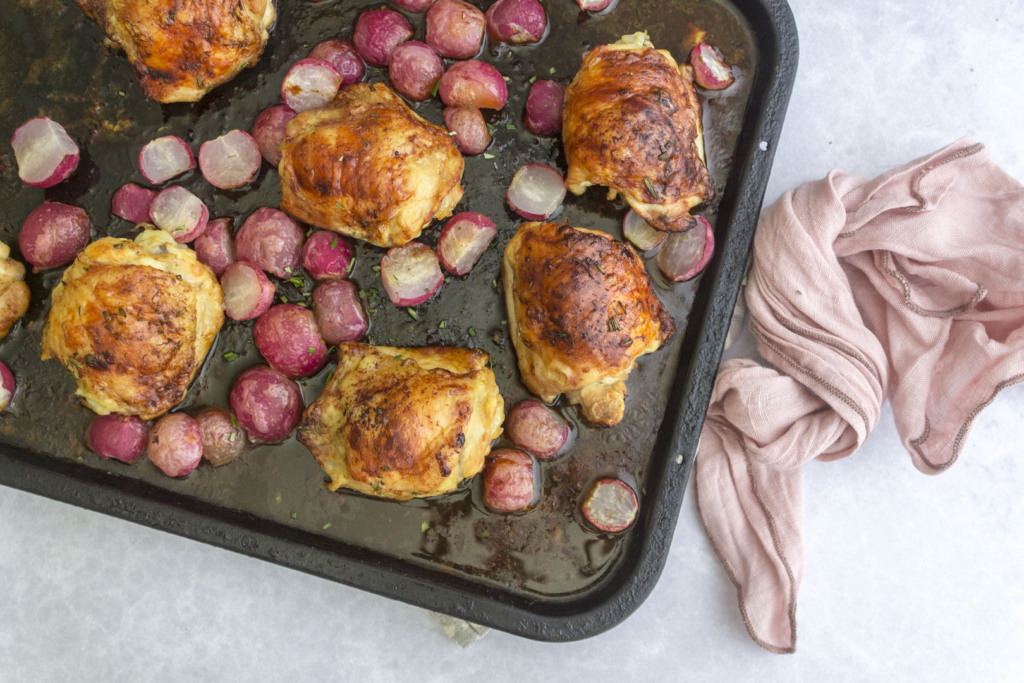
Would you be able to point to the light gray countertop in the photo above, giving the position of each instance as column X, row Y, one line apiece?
column 908, row 577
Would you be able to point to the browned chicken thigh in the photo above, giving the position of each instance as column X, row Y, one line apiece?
column 580, row 311
column 13, row 291
column 182, row 49
column 404, row 423
column 368, row 166
column 632, row 123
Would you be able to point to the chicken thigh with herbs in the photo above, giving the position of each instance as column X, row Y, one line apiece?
column 368, row 166
column 13, row 291
column 580, row 311
column 404, row 423
column 182, row 49
column 632, row 123
column 133, row 321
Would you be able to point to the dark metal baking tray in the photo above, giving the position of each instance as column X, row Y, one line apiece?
column 541, row 574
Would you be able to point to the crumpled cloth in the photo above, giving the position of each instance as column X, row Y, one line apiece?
column 908, row 287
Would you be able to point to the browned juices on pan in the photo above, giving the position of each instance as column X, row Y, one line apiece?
column 632, row 123
column 368, row 166
column 581, row 310
column 181, row 49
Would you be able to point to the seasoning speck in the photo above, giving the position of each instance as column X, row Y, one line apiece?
column 327, row 526
column 488, row 155
column 294, row 515
column 230, row 356
column 424, row 527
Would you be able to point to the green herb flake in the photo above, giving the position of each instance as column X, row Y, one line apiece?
column 366, row 143
column 510, row 126
column 490, row 128
column 424, row 527
column 339, row 206
column 287, row 270
column 120, row 312
column 234, row 422
column 472, row 332
column 412, row 313
column 311, row 350
column 453, row 132
column 232, row 437
column 294, row 515
column 433, row 91
column 613, row 325
column 507, row 79
column 494, row 283
column 650, row 187
column 488, row 155
column 334, row 242
column 375, row 269
column 744, row 281
column 442, row 325
column 532, row 79
column 398, row 357
column 199, row 81
column 551, row 70
column 121, row 93
column 160, row 128
column 230, row 356
column 297, row 281
column 799, row 292
column 327, row 526
column 284, row 299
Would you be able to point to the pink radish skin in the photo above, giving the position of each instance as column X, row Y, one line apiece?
column 339, row 313
column 611, row 505
column 53, row 234
column 543, row 115
column 222, row 440
column 535, row 427
column 215, row 247
column 45, row 153
column 377, row 33
column 709, row 69
column 272, row 240
column 471, row 133
column 164, row 158
column 463, row 241
column 309, row 84
column 7, row 386
column 414, row 69
column 593, row 5
column 132, row 203
column 342, row 54
column 118, row 437
column 414, row 6
column 684, row 255
column 266, row 404
column 231, row 160
column 247, row 291
column 536, row 192
column 641, row 234
column 179, row 212
column 411, row 274
column 176, row 445
column 269, row 130
column 455, row 29
column 328, row 256
column 516, row 22
column 289, row 338
column 473, row 84
column 508, row 480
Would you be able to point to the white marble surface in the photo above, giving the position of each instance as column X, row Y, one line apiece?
column 908, row 577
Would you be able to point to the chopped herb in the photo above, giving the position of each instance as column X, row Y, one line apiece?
column 397, row 281
column 160, row 128
column 362, row 293
column 233, row 437
column 297, row 281
column 744, row 281
column 490, row 128
column 234, row 422
column 424, row 527
column 121, row 93
column 366, row 143
column 341, row 159
column 199, row 81
column 650, row 186
column 472, row 332
column 339, row 206
column 626, row 342
column 375, row 269
column 287, row 270
column 120, row 312
column 311, row 350
column 551, row 70
column 495, row 165
column 327, row 526
column 384, row 468
column 601, row 268
column 494, row 283
column 179, row 228
column 442, row 325
column 284, row 299
column 398, row 357
column 412, row 313
column 334, row 242
column 799, row 292
column 433, row 91
column 504, row 322
column 488, row 155
column 532, row 79
column 230, row 356
column 613, row 325
column 453, row 132
column 294, row 515
column 179, row 313
column 510, row 126
column 106, row 318
column 507, row 79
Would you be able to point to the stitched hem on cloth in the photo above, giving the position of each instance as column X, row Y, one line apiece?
column 775, row 541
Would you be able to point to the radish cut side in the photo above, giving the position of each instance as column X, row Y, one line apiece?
column 411, row 274
column 165, row 158
column 686, row 254
column 709, row 69
column 310, row 83
column 231, row 160
column 45, row 152
column 179, row 212
column 611, row 505
column 132, row 203
column 247, row 291
column 463, row 241
column 536, row 192
column 640, row 233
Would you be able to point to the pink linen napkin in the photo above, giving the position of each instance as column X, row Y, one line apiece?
column 908, row 287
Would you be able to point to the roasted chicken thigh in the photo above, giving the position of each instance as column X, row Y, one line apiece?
column 404, row 423
column 632, row 123
column 132, row 322
column 182, row 49
column 368, row 166
column 580, row 311
column 13, row 291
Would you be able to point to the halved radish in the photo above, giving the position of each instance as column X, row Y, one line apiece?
column 7, row 386
column 463, row 241
column 342, row 54
column 132, row 203
column 611, row 505
column 310, row 83
column 247, row 291
column 536, row 192
column 165, row 158
column 179, row 212
column 709, row 69
column 45, row 152
column 231, row 160
column 685, row 254
column 339, row 313
column 410, row 273
column 593, row 5
column 640, row 233
column 269, row 129
column 215, row 247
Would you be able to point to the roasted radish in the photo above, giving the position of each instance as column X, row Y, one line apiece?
column 45, row 152
column 121, row 437
column 543, row 115
column 7, row 386
column 415, row 6
column 175, row 444
column 377, row 33
column 414, row 70
column 53, row 234
column 289, row 338
column 455, row 29
column 339, row 313
column 463, row 241
column 247, row 291
column 165, row 158
column 516, row 22
column 611, row 505
column 508, row 480
column 470, row 130
column 593, row 5
column 640, row 233
column 179, row 212
column 342, row 54
column 535, row 427
column 272, row 240
column 132, row 203
column 536, row 192
column 223, row 439
column 410, row 273
column 328, row 256
column 269, row 130
column 215, row 247
column 231, row 160
column 709, row 69
column 266, row 404
column 473, row 84
column 309, row 84
column 684, row 255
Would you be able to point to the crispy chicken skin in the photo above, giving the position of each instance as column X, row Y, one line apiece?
column 132, row 322
column 632, row 123
column 580, row 311
column 404, row 423
column 368, row 166
column 13, row 291
column 182, row 49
